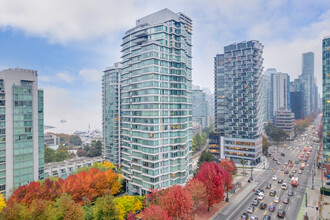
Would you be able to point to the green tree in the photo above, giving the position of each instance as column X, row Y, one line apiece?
column 65, row 208
column 49, row 155
column 206, row 156
column 75, row 140
column 105, row 209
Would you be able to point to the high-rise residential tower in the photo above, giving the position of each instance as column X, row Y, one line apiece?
column 326, row 99
column 200, row 107
column 280, row 92
column 155, row 114
column 21, row 129
column 238, row 100
column 111, row 113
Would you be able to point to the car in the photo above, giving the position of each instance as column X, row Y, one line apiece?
column 244, row 216
column 255, row 202
column 272, row 193
column 286, row 171
column 274, row 178
column 286, row 200
column 278, row 162
column 297, row 162
column 271, row 208
column 294, row 171
column 261, row 196
column 281, row 213
column 282, row 168
column 279, row 181
column 275, row 158
column 291, row 175
column 290, row 165
column 268, row 186
column 263, row 206
column 258, row 191
column 284, row 186
column 254, row 218
column 276, row 200
column 282, row 154
column 286, row 163
column 250, row 209
column 266, row 217
column 290, row 193
column 299, row 171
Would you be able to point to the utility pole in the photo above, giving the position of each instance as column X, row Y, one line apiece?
column 251, row 170
column 313, row 179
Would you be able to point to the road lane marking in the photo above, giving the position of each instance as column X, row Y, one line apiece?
column 265, row 212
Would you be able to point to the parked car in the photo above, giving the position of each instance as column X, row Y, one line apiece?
column 250, row 209
column 272, row 193
column 261, row 196
column 266, row 217
column 244, row 216
column 271, row 208
column 263, row 206
column 281, row 213
column 255, row 202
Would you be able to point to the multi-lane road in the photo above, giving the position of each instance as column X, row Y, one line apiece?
column 292, row 151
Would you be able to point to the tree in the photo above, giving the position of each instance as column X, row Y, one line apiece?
column 40, row 209
column 154, row 196
column 105, row 209
column 265, row 145
column 81, row 153
column 197, row 191
column 227, row 181
column 278, row 135
column 243, row 162
column 155, row 212
column 227, row 165
column 234, row 166
column 206, row 156
column 211, row 175
column 65, row 208
column 320, row 132
column 178, row 203
column 14, row 211
column 2, row 202
column 75, row 140
column 128, row 204
column 49, row 155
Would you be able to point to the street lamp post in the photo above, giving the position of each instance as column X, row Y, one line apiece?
column 251, row 170
column 312, row 179
column 227, row 199
column 306, row 214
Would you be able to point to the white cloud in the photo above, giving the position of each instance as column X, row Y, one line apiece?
column 66, row 77
column 90, row 75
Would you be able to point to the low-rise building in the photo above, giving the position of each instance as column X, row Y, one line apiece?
column 67, row 167
column 51, row 140
column 285, row 120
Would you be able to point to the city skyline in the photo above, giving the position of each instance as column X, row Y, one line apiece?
column 70, row 51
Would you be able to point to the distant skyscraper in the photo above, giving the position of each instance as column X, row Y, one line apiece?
column 200, row 107
column 280, row 92
column 155, row 103
column 238, row 100
column 308, row 64
column 21, row 129
column 297, row 100
column 326, row 99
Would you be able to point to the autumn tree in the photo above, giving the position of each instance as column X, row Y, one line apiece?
column 40, row 209
column 227, row 182
column 155, row 212
column 128, row 204
column 227, row 165
column 211, row 175
column 14, row 211
column 154, row 196
column 178, row 202
column 198, row 192
column 65, row 208
column 2, row 202
column 234, row 166
column 105, row 208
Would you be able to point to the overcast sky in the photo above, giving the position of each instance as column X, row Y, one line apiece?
column 70, row 42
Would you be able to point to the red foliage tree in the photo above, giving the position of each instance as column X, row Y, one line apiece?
column 154, row 196
column 227, row 165
column 178, row 203
column 211, row 175
column 234, row 166
column 227, row 181
column 198, row 192
column 155, row 212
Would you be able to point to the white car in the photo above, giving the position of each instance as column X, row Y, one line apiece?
column 261, row 196
column 284, row 186
column 274, row 178
column 254, row 218
column 250, row 209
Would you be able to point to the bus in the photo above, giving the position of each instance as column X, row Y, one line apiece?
column 294, row 181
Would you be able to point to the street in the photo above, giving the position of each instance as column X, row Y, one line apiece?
column 292, row 151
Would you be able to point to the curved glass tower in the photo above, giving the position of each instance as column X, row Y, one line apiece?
column 155, row 102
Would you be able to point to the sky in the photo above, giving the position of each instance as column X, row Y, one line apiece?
column 70, row 43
